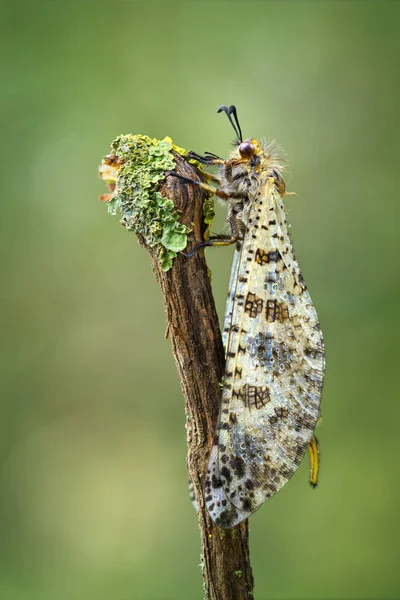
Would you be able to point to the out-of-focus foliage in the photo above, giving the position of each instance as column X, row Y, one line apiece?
column 93, row 498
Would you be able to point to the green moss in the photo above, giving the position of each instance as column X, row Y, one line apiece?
column 239, row 573
column 136, row 196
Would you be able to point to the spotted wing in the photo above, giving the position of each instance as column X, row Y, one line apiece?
column 231, row 294
column 274, row 370
column 226, row 329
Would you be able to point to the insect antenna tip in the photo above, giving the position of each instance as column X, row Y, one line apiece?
column 232, row 111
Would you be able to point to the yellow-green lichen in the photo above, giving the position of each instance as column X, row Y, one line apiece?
column 142, row 165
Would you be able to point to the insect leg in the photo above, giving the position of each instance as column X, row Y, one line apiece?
column 213, row 155
column 313, row 450
column 211, row 159
column 212, row 177
column 219, row 240
column 204, row 186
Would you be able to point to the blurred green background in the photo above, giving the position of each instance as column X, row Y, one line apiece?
column 93, row 502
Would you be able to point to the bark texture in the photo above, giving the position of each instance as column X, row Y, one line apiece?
column 197, row 347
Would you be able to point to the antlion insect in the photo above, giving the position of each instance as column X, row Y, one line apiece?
column 274, row 346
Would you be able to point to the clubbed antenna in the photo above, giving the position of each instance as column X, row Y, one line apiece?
column 232, row 111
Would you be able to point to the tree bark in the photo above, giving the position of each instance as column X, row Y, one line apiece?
column 199, row 355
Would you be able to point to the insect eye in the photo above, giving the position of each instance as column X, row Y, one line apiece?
column 246, row 149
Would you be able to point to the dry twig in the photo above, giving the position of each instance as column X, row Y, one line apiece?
column 197, row 347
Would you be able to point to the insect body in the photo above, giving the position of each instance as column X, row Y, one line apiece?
column 274, row 347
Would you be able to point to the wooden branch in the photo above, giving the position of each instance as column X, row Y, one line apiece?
column 197, row 346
